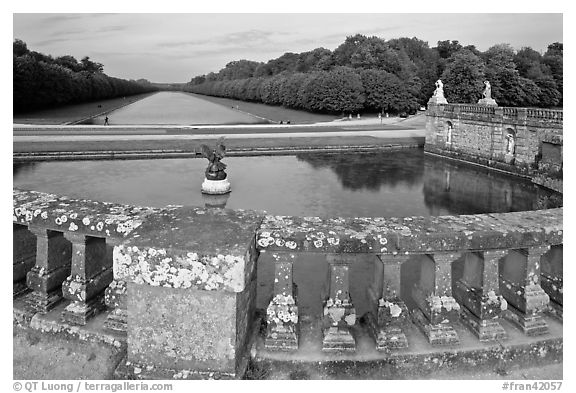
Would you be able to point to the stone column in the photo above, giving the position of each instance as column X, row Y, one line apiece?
column 52, row 266
column 339, row 313
column 23, row 257
column 478, row 292
column 90, row 275
column 551, row 271
column 437, row 309
column 521, row 289
column 390, row 310
column 115, row 298
column 282, row 312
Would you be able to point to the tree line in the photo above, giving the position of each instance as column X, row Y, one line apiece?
column 369, row 74
column 41, row 81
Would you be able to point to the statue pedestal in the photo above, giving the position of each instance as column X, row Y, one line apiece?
column 437, row 100
column 215, row 187
column 487, row 101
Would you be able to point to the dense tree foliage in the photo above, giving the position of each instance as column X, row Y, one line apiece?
column 41, row 81
column 398, row 75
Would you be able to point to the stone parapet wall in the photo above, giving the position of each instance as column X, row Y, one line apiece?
column 182, row 295
column 481, row 134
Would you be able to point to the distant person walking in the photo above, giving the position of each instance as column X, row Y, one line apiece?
column 106, row 121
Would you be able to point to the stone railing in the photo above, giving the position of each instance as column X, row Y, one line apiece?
column 504, row 114
column 180, row 282
column 184, row 278
column 498, row 257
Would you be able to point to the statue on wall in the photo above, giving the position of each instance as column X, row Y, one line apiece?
column 438, row 96
column 487, row 90
column 215, row 181
column 487, row 96
column 439, row 92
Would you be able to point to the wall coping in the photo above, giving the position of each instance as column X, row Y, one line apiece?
column 212, row 249
column 175, row 246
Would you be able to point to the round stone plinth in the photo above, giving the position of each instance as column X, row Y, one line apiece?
column 215, row 187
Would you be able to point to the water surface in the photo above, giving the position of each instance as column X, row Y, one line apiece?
column 384, row 184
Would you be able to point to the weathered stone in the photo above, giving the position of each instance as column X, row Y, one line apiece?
column 52, row 267
column 282, row 312
column 189, row 329
column 90, row 275
column 339, row 313
column 23, row 257
column 115, row 297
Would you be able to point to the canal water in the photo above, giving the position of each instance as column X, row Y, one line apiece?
column 176, row 108
column 383, row 184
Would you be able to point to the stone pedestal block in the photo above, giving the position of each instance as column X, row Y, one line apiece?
column 215, row 187
column 189, row 329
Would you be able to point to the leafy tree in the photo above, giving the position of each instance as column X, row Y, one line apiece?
column 463, row 77
column 384, row 91
column 336, row 91
column 19, row 48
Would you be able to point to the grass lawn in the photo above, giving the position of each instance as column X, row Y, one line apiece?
column 270, row 112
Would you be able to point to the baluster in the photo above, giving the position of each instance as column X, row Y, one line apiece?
column 520, row 286
column 23, row 257
column 282, row 312
column 339, row 313
column 52, row 266
column 551, row 272
column 437, row 308
column 115, row 297
column 90, row 274
column 478, row 292
column 390, row 310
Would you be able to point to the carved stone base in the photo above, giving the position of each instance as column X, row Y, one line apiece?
column 531, row 324
column 437, row 334
column 337, row 339
column 387, row 329
column 487, row 101
column 281, row 339
column 117, row 320
column 485, row 329
column 43, row 302
column 78, row 313
column 215, row 187
column 437, row 100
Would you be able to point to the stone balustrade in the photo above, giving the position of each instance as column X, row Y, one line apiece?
column 177, row 282
column 483, row 249
column 180, row 282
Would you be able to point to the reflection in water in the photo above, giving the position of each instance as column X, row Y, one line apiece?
column 370, row 171
column 465, row 189
column 20, row 168
column 382, row 184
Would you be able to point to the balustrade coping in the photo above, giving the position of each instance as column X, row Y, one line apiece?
column 209, row 248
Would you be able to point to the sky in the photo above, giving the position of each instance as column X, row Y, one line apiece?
column 175, row 47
